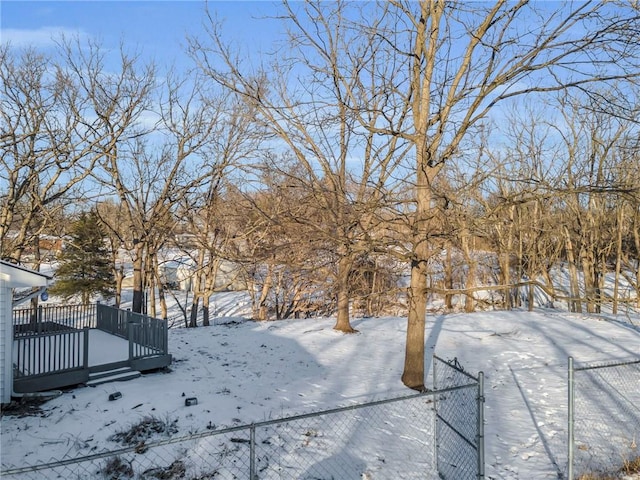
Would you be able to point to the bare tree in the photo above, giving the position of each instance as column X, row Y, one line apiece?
column 464, row 59
column 628, row 248
column 152, row 167
column 283, row 262
column 594, row 186
column 302, row 99
column 233, row 141
column 46, row 148
column 116, row 101
column 118, row 235
column 448, row 65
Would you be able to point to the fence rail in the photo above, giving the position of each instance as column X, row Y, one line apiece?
column 53, row 318
column 388, row 438
column 147, row 335
column 531, row 292
column 604, row 417
column 112, row 320
column 45, row 353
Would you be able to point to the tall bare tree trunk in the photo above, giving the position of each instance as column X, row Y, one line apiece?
column 616, row 281
column 163, row 302
column 206, row 301
column 209, row 287
column 261, row 306
column 138, row 277
column 575, row 305
column 151, row 291
column 343, row 323
column 589, row 275
column 636, row 241
column 470, row 282
column 448, row 279
column 119, row 277
column 152, row 273
column 413, row 375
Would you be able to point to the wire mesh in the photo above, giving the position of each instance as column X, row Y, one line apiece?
column 220, row 455
column 457, row 422
column 386, row 440
column 391, row 438
column 606, row 423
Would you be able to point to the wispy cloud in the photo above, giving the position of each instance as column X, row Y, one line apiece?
column 38, row 38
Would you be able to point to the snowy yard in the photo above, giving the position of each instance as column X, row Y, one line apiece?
column 247, row 372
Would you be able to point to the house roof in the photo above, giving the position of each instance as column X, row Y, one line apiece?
column 17, row 276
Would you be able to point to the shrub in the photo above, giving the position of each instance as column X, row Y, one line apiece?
column 145, row 429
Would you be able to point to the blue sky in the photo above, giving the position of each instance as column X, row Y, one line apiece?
column 158, row 28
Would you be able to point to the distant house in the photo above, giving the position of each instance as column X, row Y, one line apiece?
column 49, row 247
column 12, row 277
column 180, row 273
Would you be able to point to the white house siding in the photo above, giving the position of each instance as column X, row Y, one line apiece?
column 5, row 351
column 12, row 276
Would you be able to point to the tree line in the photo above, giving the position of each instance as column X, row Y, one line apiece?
column 376, row 142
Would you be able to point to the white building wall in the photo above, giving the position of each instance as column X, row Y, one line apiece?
column 6, row 337
column 12, row 276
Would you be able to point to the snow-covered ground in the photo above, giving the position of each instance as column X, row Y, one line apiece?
column 248, row 371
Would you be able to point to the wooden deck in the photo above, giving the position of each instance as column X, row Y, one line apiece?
column 56, row 354
column 103, row 349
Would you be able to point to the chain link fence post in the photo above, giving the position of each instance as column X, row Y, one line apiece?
column 570, row 426
column 434, row 362
column 252, row 452
column 480, row 439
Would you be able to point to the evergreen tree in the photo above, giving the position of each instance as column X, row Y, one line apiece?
column 84, row 262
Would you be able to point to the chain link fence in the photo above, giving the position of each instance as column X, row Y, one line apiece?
column 425, row 435
column 604, row 418
column 459, row 417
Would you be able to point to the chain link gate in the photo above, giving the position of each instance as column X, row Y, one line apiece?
column 459, row 421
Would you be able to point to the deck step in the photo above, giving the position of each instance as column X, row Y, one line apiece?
column 117, row 375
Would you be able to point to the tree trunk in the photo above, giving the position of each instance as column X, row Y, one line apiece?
column 261, row 305
column 549, row 283
column 636, row 241
column 589, row 275
column 193, row 318
column 575, row 305
column 209, row 288
column 151, row 288
column 138, row 278
column 517, row 300
column 163, row 302
column 198, row 283
column 601, row 276
column 343, row 323
column 413, row 374
column 205, row 310
column 119, row 277
column 470, row 301
column 448, row 280
column 372, row 305
column 470, row 282
column 505, row 273
column 616, row 282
